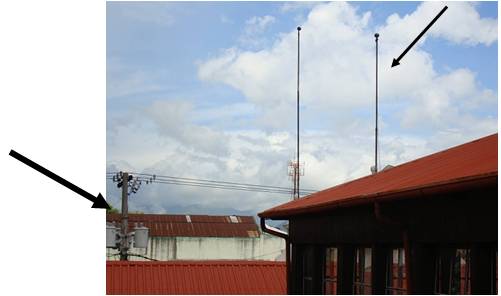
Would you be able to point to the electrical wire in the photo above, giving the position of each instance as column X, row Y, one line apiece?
column 141, row 256
column 220, row 186
column 267, row 254
column 162, row 179
column 132, row 254
column 212, row 181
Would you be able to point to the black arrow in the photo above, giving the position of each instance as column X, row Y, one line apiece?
column 396, row 62
column 98, row 201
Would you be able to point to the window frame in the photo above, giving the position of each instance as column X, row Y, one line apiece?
column 401, row 269
column 362, row 284
column 453, row 271
column 330, row 279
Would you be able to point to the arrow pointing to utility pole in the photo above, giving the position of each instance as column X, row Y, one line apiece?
column 98, row 201
column 396, row 61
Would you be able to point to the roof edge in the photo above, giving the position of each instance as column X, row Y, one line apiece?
column 469, row 182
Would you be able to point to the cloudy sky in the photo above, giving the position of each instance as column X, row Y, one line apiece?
column 207, row 90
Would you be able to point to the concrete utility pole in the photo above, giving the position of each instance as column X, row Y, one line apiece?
column 124, row 244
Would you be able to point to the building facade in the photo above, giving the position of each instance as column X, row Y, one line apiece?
column 428, row 226
column 200, row 237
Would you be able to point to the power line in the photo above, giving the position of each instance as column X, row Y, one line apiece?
column 218, row 186
column 213, row 181
column 267, row 254
column 161, row 179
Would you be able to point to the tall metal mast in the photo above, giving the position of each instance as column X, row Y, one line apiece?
column 298, row 169
column 376, row 130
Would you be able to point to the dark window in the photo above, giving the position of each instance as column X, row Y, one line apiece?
column 330, row 273
column 395, row 279
column 363, row 271
column 308, row 270
column 456, row 267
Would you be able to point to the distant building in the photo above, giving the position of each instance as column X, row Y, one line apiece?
column 201, row 237
column 221, row 277
column 429, row 226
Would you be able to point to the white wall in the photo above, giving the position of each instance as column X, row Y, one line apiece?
column 265, row 247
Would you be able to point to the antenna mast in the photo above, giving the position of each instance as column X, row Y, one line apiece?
column 297, row 174
column 376, row 131
column 294, row 169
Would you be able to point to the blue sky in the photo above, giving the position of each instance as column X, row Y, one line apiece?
column 207, row 90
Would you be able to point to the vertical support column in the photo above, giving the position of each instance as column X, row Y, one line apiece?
column 288, row 268
column 296, row 267
column 483, row 270
column 379, row 259
column 422, row 261
column 446, row 259
column 318, row 269
column 408, row 263
column 346, row 255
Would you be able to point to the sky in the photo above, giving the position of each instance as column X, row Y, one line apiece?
column 208, row 90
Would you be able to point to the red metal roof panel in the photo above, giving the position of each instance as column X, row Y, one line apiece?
column 468, row 164
column 200, row 225
column 195, row 277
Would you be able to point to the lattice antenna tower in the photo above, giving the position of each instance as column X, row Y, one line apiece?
column 294, row 171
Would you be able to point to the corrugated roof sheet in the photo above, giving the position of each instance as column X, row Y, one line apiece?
column 195, row 277
column 464, row 165
column 193, row 225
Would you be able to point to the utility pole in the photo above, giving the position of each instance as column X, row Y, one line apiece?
column 140, row 233
column 376, row 131
column 124, row 243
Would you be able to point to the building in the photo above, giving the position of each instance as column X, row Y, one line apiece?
column 195, row 277
column 201, row 237
column 428, row 226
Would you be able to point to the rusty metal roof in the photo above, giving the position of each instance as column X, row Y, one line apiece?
column 193, row 225
column 465, row 166
column 195, row 277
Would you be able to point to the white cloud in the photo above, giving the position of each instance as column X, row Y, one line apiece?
column 338, row 68
column 460, row 23
column 254, row 29
column 172, row 119
column 122, row 80
column 433, row 110
column 297, row 5
column 259, row 23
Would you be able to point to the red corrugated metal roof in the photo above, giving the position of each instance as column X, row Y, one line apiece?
column 471, row 164
column 193, row 225
column 195, row 277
